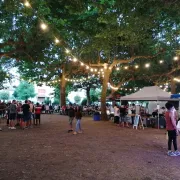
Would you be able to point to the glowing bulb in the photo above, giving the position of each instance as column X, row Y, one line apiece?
column 57, row 41
column 136, row 66
column 92, row 70
column 82, row 64
column 101, row 69
column 43, row 26
column 176, row 58
column 75, row 59
column 87, row 67
column 27, row 4
column 95, row 70
column 126, row 67
column 67, row 51
column 117, row 68
column 161, row 61
column 110, row 68
column 147, row 65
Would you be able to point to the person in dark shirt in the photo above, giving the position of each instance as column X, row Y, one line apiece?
column 78, row 116
column 71, row 113
column 26, row 114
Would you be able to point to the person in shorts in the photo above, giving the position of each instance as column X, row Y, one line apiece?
column 26, row 114
column 12, row 114
column 37, row 114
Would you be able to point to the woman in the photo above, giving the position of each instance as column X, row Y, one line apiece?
column 78, row 116
column 170, row 118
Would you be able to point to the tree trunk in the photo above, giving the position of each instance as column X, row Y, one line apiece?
column 63, row 90
column 113, row 97
column 88, row 95
column 103, row 95
column 173, row 86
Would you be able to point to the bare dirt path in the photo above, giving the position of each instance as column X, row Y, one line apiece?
column 102, row 152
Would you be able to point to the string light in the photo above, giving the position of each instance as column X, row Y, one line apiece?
column 176, row 79
column 161, row 61
column 43, row 26
column 82, row 64
column 87, row 67
column 136, row 66
column 57, row 41
column 101, row 69
column 176, row 58
column 27, row 4
column 126, row 67
column 67, row 51
column 117, row 68
column 92, row 70
column 147, row 65
column 74, row 59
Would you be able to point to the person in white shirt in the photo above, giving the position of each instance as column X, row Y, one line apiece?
column 116, row 114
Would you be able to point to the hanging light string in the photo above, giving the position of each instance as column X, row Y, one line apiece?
column 94, row 71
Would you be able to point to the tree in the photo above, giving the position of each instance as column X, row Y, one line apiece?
column 77, row 99
column 4, row 95
column 24, row 91
column 95, row 95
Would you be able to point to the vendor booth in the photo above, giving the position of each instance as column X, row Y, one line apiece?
column 152, row 93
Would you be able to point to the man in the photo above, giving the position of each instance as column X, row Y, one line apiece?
column 31, row 112
column 26, row 114
column 13, row 112
column 170, row 117
column 71, row 114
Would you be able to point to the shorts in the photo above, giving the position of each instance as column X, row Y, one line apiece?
column 37, row 116
column 12, row 116
column 26, row 117
column 71, row 120
column 19, row 116
column 123, row 118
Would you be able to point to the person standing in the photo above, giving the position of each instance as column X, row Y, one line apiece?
column 78, row 116
column 170, row 118
column 71, row 114
column 26, row 114
column 13, row 112
column 116, row 114
column 37, row 114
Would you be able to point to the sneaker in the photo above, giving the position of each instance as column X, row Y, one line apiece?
column 74, row 133
column 170, row 153
column 177, row 153
column 13, row 128
column 0, row 129
column 9, row 127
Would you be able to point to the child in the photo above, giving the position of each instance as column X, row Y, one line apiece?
column 78, row 116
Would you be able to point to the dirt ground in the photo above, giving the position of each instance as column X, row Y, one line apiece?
column 103, row 152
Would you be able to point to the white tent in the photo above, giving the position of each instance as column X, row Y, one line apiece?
column 151, row 93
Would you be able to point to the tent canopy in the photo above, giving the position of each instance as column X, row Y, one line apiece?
column 152, row 93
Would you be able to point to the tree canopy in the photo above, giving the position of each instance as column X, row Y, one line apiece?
column 24, row 91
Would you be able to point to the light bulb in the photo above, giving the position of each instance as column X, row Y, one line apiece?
column 117, row 68
column 161, row 61
column 136, row 66
column 74, row 59
column 147, row 65
column 43, row 26
column 82, row 64
column 126, row 67
column 176, row 58
column 57, row 41
column 27, row 4
column 67, row 51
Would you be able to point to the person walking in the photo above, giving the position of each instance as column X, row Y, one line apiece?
column 71, row 113
column 170, row 117
column 78, row 116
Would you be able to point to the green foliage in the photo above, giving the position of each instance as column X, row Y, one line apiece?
column 95, row 95
column 77, row 99
column 56, row 101
column 47, row 101
column 24, row 91
column 4, row 95
column 84, row 102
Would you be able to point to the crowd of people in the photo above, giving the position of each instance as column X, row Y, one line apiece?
column 21, row 114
